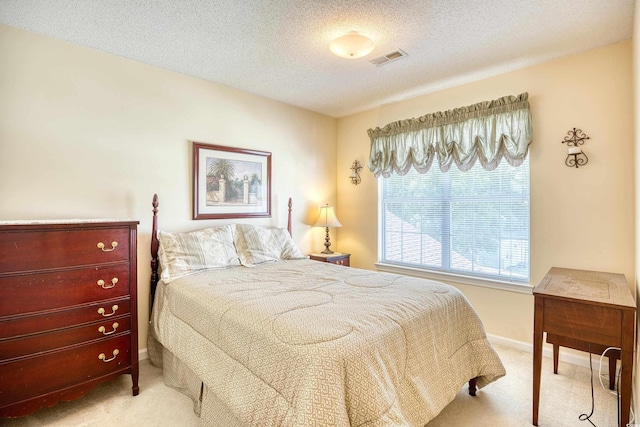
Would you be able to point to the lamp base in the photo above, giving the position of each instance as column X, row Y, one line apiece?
column 327, row 243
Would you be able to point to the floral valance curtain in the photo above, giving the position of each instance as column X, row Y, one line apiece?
column 486, row 131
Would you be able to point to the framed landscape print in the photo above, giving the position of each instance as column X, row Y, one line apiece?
column 230, row 182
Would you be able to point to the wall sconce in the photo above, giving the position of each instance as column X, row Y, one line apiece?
column 355, row 172
column 575, row 156
column 327, row 218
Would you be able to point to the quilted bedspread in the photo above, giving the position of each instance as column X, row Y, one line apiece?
column 305, row 343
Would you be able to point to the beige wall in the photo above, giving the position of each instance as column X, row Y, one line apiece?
column 84, row 134
column 580, row 218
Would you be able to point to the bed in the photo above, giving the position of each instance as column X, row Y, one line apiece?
column 259, row 335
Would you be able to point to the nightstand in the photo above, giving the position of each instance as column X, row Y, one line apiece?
column 334, row 258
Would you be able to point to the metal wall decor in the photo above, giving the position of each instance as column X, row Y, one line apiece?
column 355, row 172
column 575, row 155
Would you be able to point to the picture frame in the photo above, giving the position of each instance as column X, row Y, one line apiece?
column 230, row 182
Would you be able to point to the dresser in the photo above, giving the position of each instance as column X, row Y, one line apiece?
column 334, row 258
column 68, row 310
column 589, row 311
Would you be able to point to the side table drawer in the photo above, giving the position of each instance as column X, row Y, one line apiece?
column 343, row 261
column 335, row 258
column 590, row 323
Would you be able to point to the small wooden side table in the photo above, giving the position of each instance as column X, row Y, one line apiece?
column 334, row 258
column 578, row 308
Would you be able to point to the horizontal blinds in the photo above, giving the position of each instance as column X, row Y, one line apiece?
column 474, row 222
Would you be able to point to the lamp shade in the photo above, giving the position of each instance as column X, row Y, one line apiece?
column 352, row 45
column 327, row 218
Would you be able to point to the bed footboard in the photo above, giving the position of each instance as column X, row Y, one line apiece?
column 473, row 386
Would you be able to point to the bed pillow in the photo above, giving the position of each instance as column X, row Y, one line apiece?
column 186, row 253
column 256, row 245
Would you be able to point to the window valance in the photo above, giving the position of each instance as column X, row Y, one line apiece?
column 486, row 131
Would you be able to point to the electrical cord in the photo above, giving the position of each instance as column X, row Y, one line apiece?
column 618, row 400
column 600, row 369
column 585, row 417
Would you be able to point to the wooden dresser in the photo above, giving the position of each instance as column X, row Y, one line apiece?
column 68, row 310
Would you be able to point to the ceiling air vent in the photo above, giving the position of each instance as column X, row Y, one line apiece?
column 389, row 57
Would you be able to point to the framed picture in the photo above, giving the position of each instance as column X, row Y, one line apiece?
column 230, row 182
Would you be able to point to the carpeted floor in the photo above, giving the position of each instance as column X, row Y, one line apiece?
column 505, row 403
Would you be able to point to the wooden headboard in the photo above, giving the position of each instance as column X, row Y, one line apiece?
column 155, row 244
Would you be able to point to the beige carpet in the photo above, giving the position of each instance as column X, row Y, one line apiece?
column 505, row 403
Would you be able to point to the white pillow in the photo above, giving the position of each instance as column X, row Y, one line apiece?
column 186, row 253
column 256, row 245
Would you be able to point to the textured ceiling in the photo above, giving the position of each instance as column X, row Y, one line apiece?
column 280, row 48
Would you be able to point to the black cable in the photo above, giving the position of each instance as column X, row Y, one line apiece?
column 618, row 391
column 586, row 417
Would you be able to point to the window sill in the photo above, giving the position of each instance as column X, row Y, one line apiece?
column 522, row 288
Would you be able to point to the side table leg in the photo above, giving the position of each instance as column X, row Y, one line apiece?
column 537, row 355
column 612, row 372
column 626, row 360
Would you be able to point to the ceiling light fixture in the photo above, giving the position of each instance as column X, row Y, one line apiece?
column 352, row 45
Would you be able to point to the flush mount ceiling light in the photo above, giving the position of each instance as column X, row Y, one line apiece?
column 352, row 45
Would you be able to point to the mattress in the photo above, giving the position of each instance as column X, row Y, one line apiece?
column 305, row 343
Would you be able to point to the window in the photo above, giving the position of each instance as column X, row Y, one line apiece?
column 473, row 223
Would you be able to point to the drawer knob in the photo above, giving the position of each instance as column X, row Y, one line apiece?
column 102, row 247
column 102, row 284
column 103, row 330
column 103, row 356
column 101, row 311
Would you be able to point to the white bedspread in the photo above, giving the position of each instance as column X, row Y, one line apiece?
column 305, row 343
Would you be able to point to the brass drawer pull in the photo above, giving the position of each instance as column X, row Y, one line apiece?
column 113, row 309
column 103, row 356
column 103, row 330
column 102, row 284
column 113, row 246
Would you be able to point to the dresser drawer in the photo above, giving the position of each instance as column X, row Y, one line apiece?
column 29, row 293
column 103, row 310
column 37, row 343
column 35, row 376
column 39, row 250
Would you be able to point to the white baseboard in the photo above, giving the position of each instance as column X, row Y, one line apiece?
column 143, row 354
column 567, row 356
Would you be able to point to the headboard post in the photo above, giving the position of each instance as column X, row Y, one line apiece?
column 289, row 217
column 154, row 251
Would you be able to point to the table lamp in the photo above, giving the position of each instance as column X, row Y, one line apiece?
column 327, row 218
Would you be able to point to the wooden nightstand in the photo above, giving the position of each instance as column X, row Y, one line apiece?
column 334, row 258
